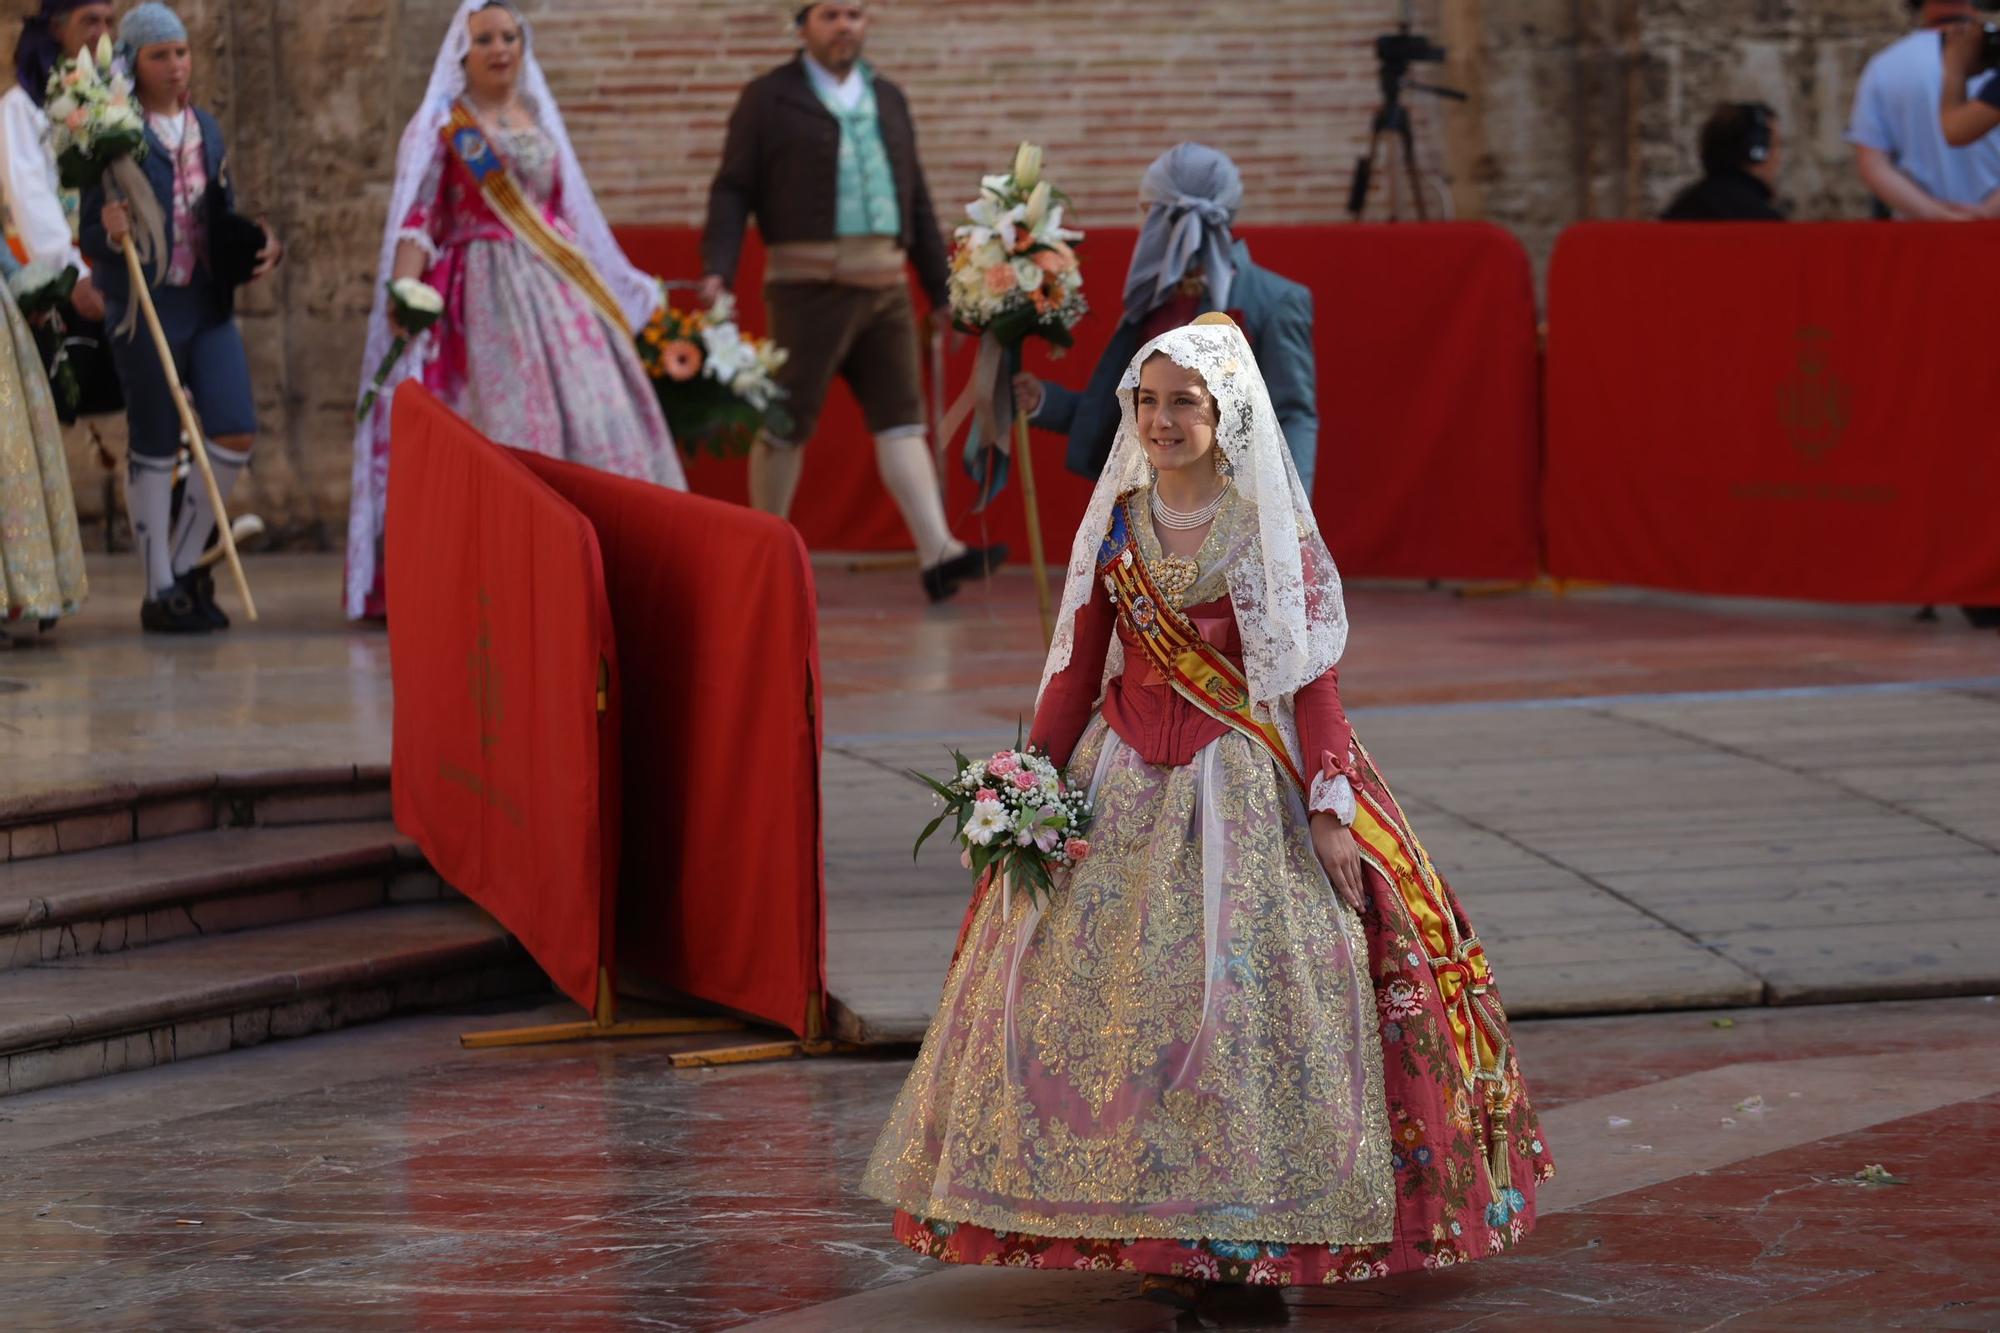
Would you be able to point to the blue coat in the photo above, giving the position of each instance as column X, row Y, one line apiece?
column 1277, row 316
column 107, row 266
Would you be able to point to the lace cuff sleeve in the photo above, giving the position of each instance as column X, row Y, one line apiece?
column 1333, row 788
column 420, row 238
column 1333, row 795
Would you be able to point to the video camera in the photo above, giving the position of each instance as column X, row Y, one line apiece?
column 1400, row 50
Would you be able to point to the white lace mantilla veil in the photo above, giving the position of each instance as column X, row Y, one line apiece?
column 1289, row 611
column 637, row 293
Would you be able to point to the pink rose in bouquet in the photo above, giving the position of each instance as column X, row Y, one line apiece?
column 1013, row 816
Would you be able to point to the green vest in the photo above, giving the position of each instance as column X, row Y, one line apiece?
column 865, row 187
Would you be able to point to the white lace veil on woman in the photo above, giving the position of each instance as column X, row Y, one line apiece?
column 1289, row 611
column 637, row 293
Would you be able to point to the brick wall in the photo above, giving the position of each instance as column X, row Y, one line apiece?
column 1581, row 108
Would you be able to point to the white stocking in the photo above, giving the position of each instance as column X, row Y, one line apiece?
column 149, row 500
column 197, row 514
column 904, row 459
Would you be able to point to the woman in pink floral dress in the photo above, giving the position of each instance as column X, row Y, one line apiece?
column 1251, row 1041
column 535, row 346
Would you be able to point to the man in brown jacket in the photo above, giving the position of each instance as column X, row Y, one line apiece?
column 823, row 154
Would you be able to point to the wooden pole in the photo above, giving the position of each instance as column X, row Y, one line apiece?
column 144, row 296
column 1025, row 458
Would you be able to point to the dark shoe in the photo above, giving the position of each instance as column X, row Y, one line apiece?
column 201, row 584
column 1983, row 617
column 174, row 611
column 1176, row 1293
column 941, row 580
column 1242, row 1305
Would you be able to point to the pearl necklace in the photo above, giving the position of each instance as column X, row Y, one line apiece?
column 1169, row 517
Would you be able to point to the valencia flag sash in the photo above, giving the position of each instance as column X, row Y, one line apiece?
column 496, row 184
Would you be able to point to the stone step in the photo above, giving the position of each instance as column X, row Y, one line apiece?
column 80, row 819
column 144, row 893
column 87, row 1017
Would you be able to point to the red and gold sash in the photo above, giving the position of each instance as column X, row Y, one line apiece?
column 1199, row 671
column 1455, row 960
column 497, row 186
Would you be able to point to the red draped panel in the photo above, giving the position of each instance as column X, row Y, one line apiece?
column 1796, row 411
column 1428, row 395
column 723, row 891
column 504, row 772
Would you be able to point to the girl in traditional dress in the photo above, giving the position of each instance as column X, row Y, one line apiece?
column 41, row 555
column 1252, row 1040
column 535, row 347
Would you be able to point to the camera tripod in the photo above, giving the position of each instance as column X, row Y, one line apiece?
column 1391, row 134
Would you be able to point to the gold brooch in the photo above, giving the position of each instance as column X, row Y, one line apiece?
column 1175, row 575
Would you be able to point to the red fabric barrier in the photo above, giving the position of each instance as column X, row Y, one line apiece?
column 1428, row 395
column 504, row 772
column 1795, row 411
column 723, row 888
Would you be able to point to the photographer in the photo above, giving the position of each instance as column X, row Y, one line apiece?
column 1739, row 159
column 1968, row 50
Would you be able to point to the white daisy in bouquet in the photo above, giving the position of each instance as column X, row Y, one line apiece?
column 1013, row 271
column 1014, row 816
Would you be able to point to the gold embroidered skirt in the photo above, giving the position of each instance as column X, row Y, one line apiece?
column 41, row 555
column 1182, row 1043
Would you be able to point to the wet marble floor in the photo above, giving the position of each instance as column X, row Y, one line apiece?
column 1646, row 801
column 381, row 1178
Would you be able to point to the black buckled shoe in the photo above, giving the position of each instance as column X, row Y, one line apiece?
column 201, row 585
column 174, row 611
column 943, row 579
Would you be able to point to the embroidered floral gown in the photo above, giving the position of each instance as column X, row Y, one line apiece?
column 1195, row 1060
column 520, row 353
column 41, row 554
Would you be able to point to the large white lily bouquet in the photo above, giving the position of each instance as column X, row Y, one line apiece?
column 1013, row 816
column 1013, row 273
column 99, row 137
column 93, row 117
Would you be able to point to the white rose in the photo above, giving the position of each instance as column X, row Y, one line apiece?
column 1028, row 273
column 418, row 296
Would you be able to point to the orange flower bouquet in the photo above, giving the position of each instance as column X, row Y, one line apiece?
column 715, row 383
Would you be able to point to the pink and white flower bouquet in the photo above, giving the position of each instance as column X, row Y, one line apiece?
column 1014, row 817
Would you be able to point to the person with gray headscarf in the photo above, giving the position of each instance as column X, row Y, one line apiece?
column 1187, row 263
